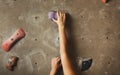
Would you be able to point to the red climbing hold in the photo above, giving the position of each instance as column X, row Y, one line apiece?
column 15, row 37
column 12, row 62
column 104, row 1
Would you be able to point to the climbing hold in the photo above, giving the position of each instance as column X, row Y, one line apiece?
column 12, row 62
column 52, row 15
column 85, row 63
column 13, row 39
column 104, row 1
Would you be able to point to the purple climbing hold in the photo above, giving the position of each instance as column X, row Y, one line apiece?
column 52, row 15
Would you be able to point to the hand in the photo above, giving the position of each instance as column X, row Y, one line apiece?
column 60, row 19
column 55, row 65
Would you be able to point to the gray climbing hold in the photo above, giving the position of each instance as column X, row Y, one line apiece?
column 84, row 63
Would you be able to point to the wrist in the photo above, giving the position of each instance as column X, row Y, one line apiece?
column 61, row 27
column 60, row 23
column 53, row 72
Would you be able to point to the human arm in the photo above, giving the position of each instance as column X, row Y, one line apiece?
column 65, row 59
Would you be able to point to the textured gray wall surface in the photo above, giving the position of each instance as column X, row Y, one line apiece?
column 94, row 30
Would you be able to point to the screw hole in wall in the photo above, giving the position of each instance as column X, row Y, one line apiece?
column 107, row 37
column 36, row 17
column 82, row 16
column 109, row 62
column 35, row 63
column 35, row 39
column 82, row 38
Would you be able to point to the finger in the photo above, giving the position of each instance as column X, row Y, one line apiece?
column 58, row 59
column 60, row 13
column 59, row 62
column 64, row 16
column 54, row 20
column 53, row 59
column 57, row 13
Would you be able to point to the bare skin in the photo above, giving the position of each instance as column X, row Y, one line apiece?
column 65, row 60
column 55, row 65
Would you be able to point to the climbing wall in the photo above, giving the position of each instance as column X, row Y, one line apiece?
column 93, row 29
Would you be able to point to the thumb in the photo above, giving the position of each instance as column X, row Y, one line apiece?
column 54, row 20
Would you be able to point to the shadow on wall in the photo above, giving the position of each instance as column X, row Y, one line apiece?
column 81, row 64
column 71, row 44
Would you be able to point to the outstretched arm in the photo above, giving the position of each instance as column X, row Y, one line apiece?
column 66, row 63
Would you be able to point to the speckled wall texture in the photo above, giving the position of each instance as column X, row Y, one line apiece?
column 94, row 31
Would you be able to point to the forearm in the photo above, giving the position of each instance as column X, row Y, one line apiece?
column 63, row 41
column 66, row 63
column 52, row 72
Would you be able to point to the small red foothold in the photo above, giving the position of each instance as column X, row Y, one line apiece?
column 12, row 62
column 104, row 1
